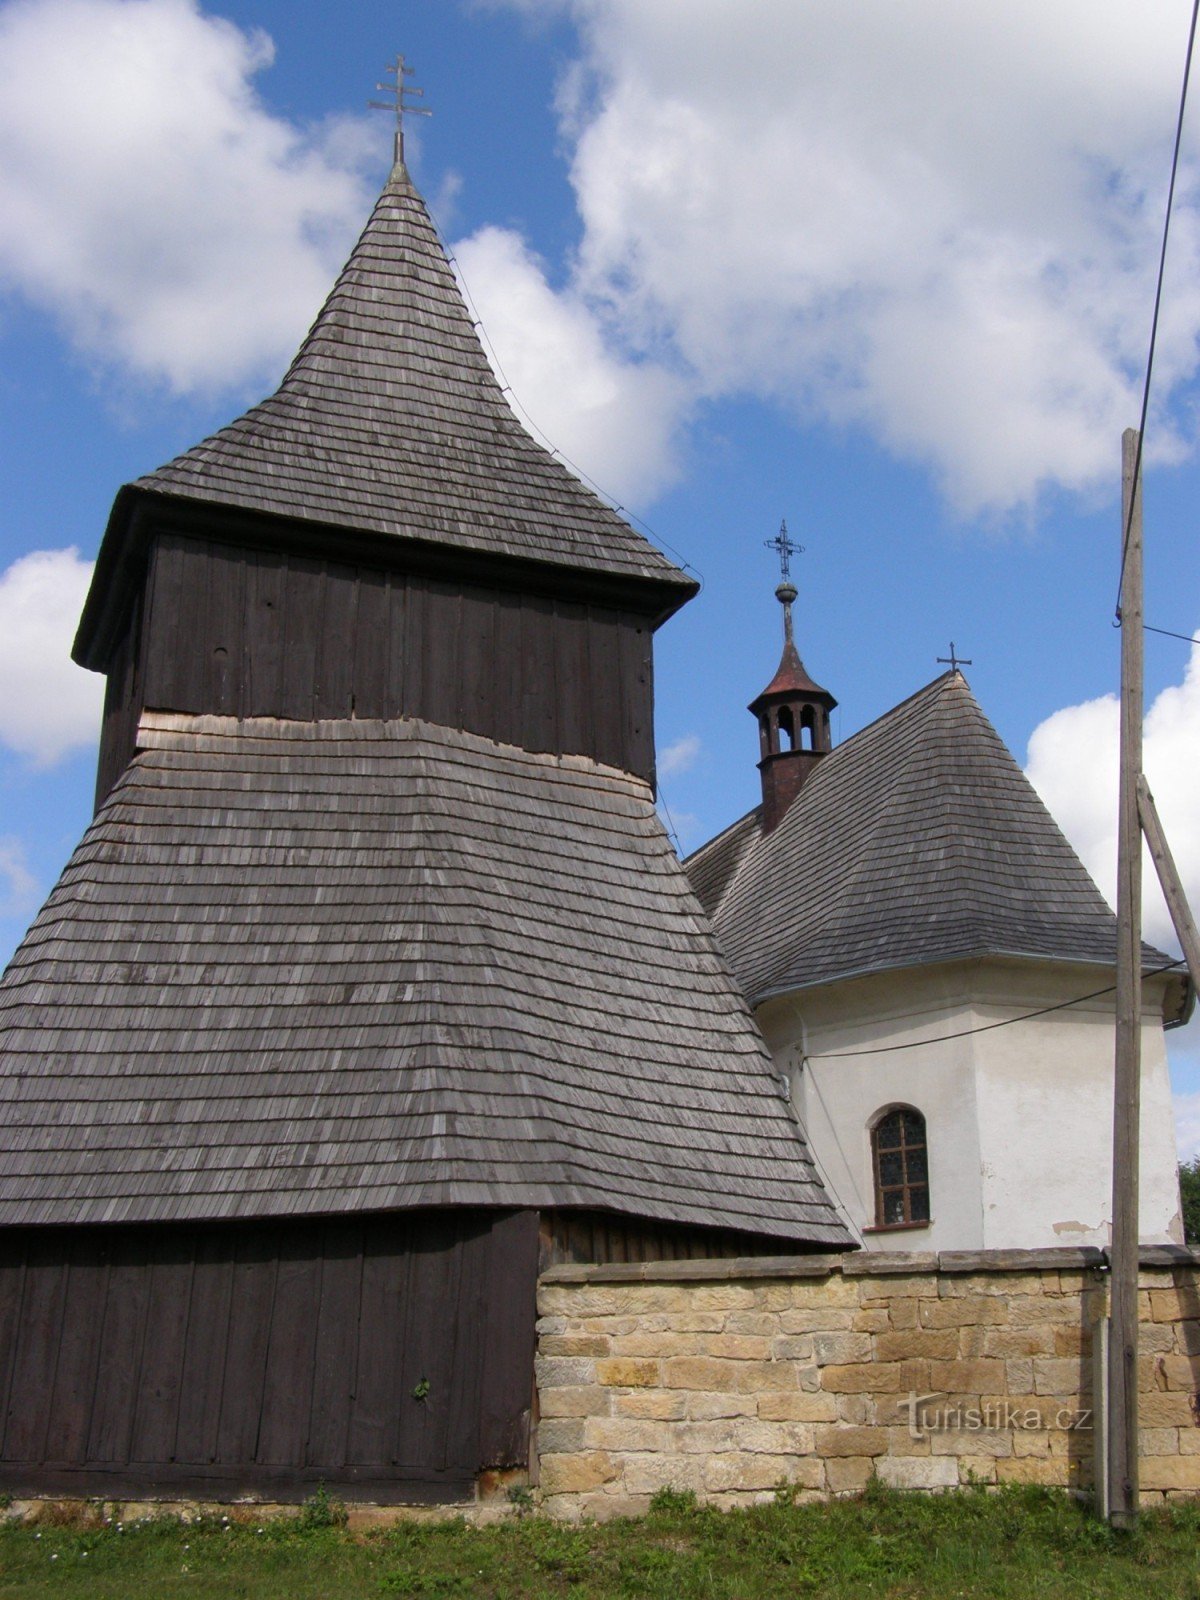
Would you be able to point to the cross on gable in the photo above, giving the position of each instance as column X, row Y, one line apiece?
column 783, row 544
column 398, row 90
column 954, row 661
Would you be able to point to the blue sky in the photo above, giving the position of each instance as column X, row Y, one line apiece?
column 883, row 271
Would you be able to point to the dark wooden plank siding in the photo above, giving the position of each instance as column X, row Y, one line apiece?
column 391, row 1356
column 257, row 633
column 606, row 1239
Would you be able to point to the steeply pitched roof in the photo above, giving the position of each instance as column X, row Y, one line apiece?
column 322, row 967
column 918, row 840
column 391, row 421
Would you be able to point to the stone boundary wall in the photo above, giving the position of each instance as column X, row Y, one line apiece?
column 730, row 1378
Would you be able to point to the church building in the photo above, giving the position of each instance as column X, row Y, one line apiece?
column 933, row 970
column 375, row 984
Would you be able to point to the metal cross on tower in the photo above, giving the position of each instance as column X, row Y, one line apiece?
column 398, row 102
column 786, row 550
column 953, row 661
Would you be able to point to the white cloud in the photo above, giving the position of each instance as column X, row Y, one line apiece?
column 49, row 706
column 935, row 221
column 1073, row 765
column 178, row 231
column 679, row 756
column 18, row 886
column 614, row 419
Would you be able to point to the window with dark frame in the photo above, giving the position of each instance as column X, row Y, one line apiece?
column 901, row 1162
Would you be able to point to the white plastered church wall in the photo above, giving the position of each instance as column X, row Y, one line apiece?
column 1018, row 1118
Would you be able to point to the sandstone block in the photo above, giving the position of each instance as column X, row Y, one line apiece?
column 911, row 1343
column 763, row 1323
column 1009, row 1342
column 1033, row 1469
column 737, row 1346
column 1054, row 1376
column 849, row 1474
column 1164, row 1410
column 561, row 1372
column 917, row 1472
column 1035, row 1311
column 1030, row 1444
column 963, row 1311
column 573, row 1344
column 699, row 1372
column 560, row 1435
column 706, row 1438
column 1157, row 1338
column 840, row 1348
column 644, row 1346
column 752, row 1376
column 1002, row 1285
column 652, row 1404
column 551, row 1325
column 774, row 1438
column 792, row 1347
column 904, row 1313
column 1158, row 1442
column 724, row 1297
column 796, row 1406
column 648, row 1474
column 882, row 1290
column 872, row 1320
column 982, row 1442
column 626, row 1372
column 970, row 1339
column 1173, row 1305
column 584, row 1400
column 626, row 1434
column 848, row 1441
column 824, row 1293
column 977, row 1469
column 856, row 1409
column 708, row 1407
column 1169, row 1472
column 740, row 1470
column 577, row 1473
column 1187, row 1338
column 981, row 1376
column 1019, row 1375
column 817, row 1319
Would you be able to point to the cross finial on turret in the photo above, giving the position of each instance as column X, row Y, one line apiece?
column 398, row 104
column 954, row 661
column 783, row 544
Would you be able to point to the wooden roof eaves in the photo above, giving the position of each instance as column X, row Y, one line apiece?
column 139, row 515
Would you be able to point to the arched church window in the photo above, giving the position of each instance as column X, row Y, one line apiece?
column 787, row 729
column 901, row 1161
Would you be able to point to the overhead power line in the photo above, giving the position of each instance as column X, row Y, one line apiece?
column 1162, row 261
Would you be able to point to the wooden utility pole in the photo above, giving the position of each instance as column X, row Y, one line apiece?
column 1123, row 1344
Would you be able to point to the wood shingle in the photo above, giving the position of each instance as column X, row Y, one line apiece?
column 312, row 968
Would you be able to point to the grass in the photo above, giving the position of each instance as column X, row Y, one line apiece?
column 1030, row 1543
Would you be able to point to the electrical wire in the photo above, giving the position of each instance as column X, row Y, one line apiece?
column 1162, row 261
column 987, row 1027
column 1167, row 633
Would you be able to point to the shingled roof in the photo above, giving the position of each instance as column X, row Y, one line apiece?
column 390, row 421
column 919, row 840
column 300, row 968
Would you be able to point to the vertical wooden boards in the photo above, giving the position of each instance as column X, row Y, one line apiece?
column 78, row 1352
column 156, row 1415
column 304, row 594
column 510, row 1297
column 391, row 1350
column 36, row 1347
column 255, row 1259
column 262, row 646
column 246, row 632
column 336, row 1347
column 287, row 1392
column 122, row 1338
